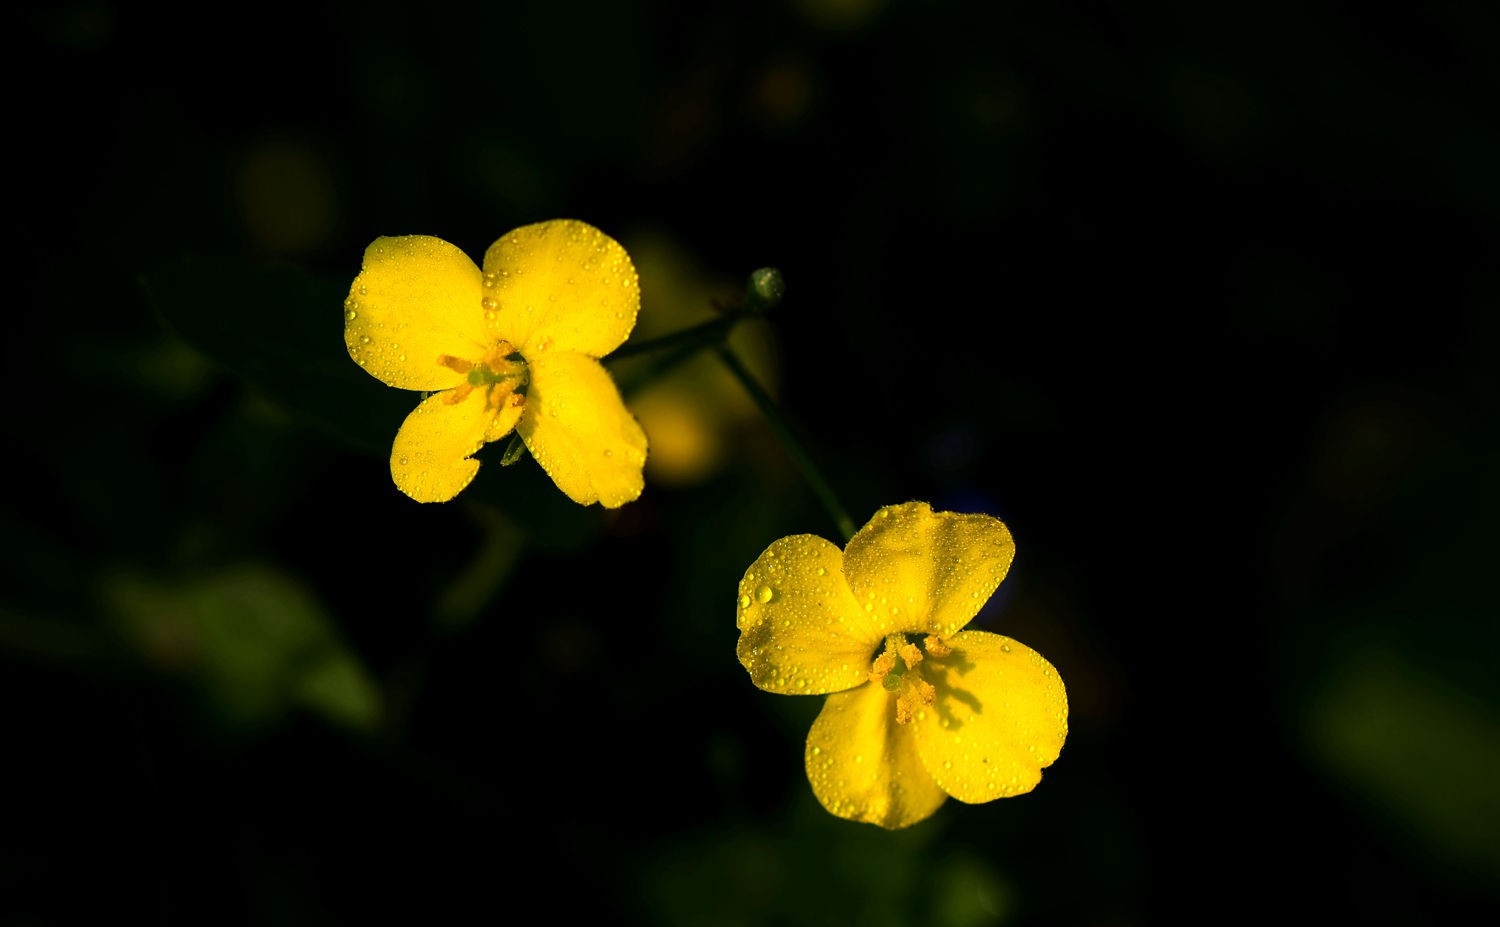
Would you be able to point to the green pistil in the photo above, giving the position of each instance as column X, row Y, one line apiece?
column 480, row 375
column 893, row 679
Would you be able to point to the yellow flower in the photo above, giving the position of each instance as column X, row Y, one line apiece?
column 513, row 347
column 920, row 708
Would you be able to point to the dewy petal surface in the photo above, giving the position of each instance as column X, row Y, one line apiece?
column 432, row 460
column 922, row 570
column 416, row 299
column 1001, row 715
column 864, row 766
column 801, row 631
column 561, row 285
column 577, row 427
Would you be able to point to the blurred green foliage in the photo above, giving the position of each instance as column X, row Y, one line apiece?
column 1200, row 300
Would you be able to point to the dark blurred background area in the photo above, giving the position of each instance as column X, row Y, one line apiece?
column 1201, row 301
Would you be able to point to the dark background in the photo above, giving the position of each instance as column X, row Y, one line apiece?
column 1201, row 302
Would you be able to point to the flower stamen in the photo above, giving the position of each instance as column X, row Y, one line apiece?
column 502, row 374
column 897, row 671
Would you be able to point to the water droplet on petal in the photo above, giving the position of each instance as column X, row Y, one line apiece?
column 764, row 594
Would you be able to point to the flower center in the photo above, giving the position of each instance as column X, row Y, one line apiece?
column 502, row 374
column 897, row 670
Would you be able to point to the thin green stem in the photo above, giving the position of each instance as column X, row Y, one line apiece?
column 773, row 415
column 697, row 336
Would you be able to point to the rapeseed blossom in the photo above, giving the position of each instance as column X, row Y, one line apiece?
column 918, row 709
column 514, row 346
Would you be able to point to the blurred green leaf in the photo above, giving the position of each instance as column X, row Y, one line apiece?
column 252, row 639
column 279, row 329
column 1421, row 750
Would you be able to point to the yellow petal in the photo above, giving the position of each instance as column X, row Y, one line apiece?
column 505, row 419
column 928, row 571
column 801, row 632
column 561, row 285
column 577, row 427
column 864, row 766
column 431, row 460
column 1001, row 715
column 417, row 299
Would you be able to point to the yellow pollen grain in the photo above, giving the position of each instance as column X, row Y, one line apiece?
column 936, row 645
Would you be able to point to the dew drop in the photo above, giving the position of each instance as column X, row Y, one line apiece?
column 488, row 302
column 351, row 315
column 1005, row 648
column 364, row 339
column 822, row 572
column 744, row 599
column 363, row 290
column 764, row 594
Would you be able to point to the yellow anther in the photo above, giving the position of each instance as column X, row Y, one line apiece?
column 883, row 664
column 911, row 654
column 455, row 364
column 936, row 646
column 903, row 710
column 458, row 394
column 917, row 691
column 925, row 691
column 497, row 358
column 500, row 393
